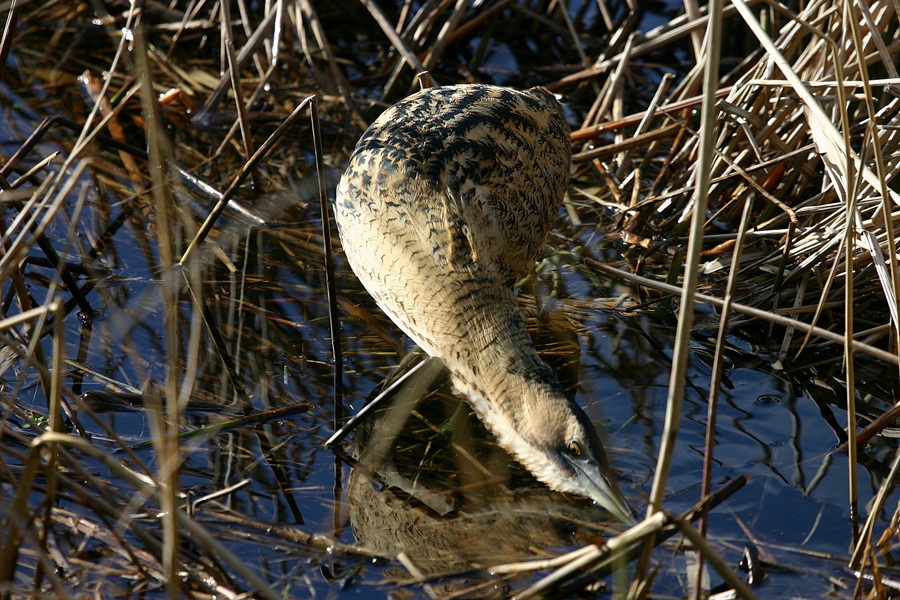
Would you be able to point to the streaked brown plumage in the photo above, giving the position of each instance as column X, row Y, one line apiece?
column 446, row 202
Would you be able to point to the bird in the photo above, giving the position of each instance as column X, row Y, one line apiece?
column 445, row 204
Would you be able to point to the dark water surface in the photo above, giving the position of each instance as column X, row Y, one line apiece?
column 257, row 305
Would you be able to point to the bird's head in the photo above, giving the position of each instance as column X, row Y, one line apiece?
column 554, row 439
column 562, row 449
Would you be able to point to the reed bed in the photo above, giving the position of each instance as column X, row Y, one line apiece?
column 778, row 134
column 167, row 357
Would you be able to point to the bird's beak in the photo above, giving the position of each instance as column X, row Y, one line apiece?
column 597, row 486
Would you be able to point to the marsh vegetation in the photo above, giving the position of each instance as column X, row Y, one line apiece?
column 168, row 371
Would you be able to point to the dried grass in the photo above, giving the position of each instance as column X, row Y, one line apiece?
column 118, row 169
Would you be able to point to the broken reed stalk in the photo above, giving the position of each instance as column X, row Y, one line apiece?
column 391, row 34
column 166, row 406
column 327, row 252
column 757, row 313
column 574, row 569
column 681, row 343
column 863, row 549
column 835, row 147
column 715, row 382
column 18, row 522
column 56, row 425
column 583, row 559
column 437, row 48
column 892, row 292
column 12, row 18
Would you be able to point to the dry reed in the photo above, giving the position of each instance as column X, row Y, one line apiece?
column 123, row 136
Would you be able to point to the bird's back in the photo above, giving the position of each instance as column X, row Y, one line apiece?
column 485, row 164
column 450, row 191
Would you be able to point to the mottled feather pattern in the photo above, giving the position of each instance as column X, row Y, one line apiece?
column 467, row 141
column 446, row 202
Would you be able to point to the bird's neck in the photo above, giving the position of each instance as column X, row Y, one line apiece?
column 499, row 369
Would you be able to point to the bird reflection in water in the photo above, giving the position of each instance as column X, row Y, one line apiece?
column 431, row 482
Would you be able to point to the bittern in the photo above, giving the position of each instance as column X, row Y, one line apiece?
column 445, row 204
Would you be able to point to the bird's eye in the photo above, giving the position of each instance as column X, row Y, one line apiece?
column 575, row 448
